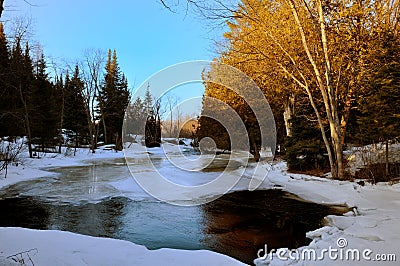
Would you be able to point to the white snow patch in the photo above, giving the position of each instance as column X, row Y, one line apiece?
column 65, row 248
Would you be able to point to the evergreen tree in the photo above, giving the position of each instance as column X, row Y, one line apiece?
column 7, row 95
column 148, row 101
column 4, row 58
column 43, row 106
column 74, row 107
column 136, row 120
column 60, row 99
column 113, row 99
column 379, row 109
column 20, row 81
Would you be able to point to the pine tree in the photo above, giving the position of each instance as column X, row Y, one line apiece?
column 113, row 99
column 43, row 107
column 7, row 97
column 148, row 101
column 60, row 99
column 304, row 149
column 20, row 81
column 74, row 107
column 379, row 109
column 136, row 120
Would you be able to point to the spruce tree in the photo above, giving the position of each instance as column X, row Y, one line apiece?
column 7, row 98
column 20, row 81
column 136, row 119
column 43, row 106
column 379, row 109
column 113, row 99
column 74, row 107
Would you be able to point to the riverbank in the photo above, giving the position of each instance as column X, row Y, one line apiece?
column 372, row 226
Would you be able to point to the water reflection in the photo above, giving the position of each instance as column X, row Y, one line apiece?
column 152, row 224
column 240, row 223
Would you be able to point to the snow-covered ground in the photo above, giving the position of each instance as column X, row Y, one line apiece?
column 65, row 248
column 371, row 229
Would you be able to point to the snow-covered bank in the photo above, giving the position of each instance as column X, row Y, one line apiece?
column 63, row 248
column 373, row 226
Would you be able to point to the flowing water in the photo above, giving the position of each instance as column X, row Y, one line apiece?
column 83, row 200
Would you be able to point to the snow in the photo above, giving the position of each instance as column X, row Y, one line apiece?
column 65, row 248
column 373, row 224
column 358, row 157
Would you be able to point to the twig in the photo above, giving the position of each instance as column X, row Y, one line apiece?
column 16, row 259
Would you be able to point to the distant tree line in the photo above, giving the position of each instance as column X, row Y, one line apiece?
column 85, row 105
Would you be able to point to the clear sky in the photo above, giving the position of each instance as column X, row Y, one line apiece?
column 145, row 34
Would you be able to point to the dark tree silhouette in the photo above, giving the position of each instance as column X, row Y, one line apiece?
column 1, row 7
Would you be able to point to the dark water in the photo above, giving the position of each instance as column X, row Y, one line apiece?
column 240, row 223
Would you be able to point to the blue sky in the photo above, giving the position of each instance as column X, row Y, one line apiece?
column 146, row 35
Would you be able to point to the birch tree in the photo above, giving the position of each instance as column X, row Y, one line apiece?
column 313, row 47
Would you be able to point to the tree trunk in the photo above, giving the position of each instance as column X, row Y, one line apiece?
column 326, row 88
column 61, row 123
column 90, row 126
column 105, row 131
column 333, row 115
column 27, row 123
column 96, row 129
column 76, row 143
column 1, row 7
column 387, row 157
column 287, row 115
column 94, row 125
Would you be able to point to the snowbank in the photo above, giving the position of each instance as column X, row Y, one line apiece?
column 373, row 225
column 36, row 247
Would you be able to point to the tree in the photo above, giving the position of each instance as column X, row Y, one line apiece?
column 1, row 7
column 316, row 48
column 74, row 107
column 91, row 71
column 60, row 99
column 379, row 109
column 21, row 78
column 8, row 110
column 43, row 106
column 113, row 99
column 148, row 101
column 136, row 117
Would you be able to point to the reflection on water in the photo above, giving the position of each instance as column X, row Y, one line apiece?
column 152, row 224
column 240, row 223
column 81, row 200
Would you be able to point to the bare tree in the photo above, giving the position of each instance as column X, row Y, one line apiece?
column 9, row 151
column 171, row 102
column 91, row 73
